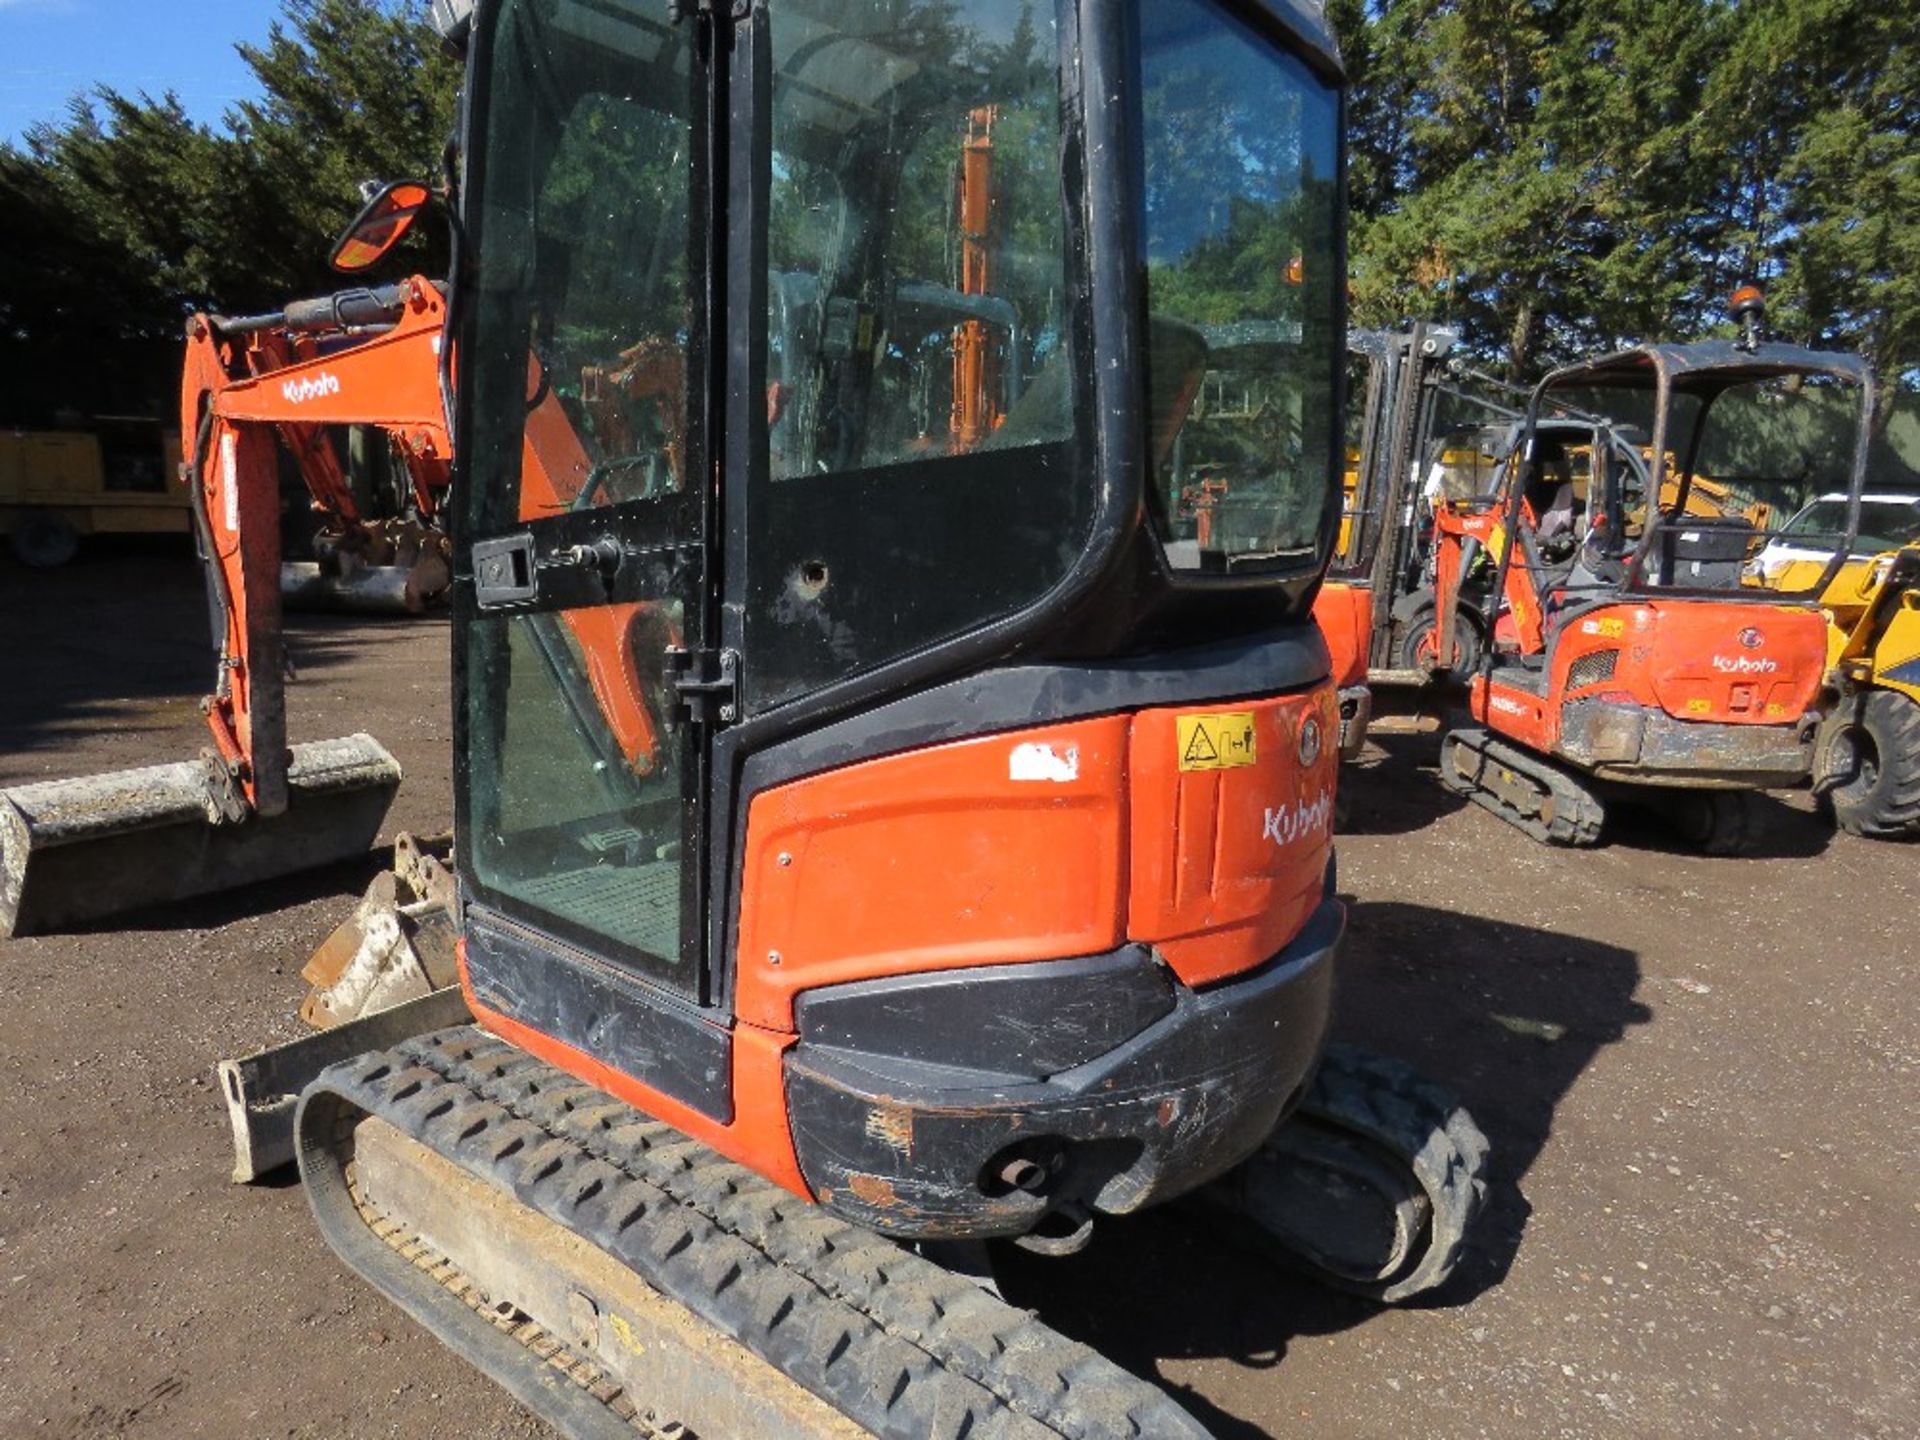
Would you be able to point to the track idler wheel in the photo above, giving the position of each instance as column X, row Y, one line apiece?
column 1372, row 1186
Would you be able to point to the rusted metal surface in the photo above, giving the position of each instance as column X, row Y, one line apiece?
column 263, row 1090
column 398, row 945
column 74, row 851
column 1625, row 742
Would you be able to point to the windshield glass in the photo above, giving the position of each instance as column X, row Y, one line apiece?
column 1884, row 524
column 1244, row 346
column 1739, row 464
column 918, row 477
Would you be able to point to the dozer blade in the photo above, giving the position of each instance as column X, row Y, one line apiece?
column 74, row 851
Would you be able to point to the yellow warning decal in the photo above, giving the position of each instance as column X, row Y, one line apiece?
column 1215, row 742
column 1699, row 707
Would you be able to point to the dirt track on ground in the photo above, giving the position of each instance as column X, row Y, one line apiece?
column 1701, row 1079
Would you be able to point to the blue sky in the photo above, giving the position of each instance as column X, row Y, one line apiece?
column 51, row 49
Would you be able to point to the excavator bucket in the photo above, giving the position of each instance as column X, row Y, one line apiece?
column 76, row 851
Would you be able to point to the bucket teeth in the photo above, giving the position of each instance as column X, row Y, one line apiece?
column 76, row 851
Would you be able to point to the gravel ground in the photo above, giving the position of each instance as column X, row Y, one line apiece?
column 1700, row 1079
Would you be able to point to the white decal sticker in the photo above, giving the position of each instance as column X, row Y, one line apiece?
column 1045, row 764
column 318, row 387
column 1291, row 823
column 230, row 481
column 1506, row 706
column 1744, row 665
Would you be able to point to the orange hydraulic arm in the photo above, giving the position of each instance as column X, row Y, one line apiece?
column 1457, row 522
column 976, row 363
column 553, row 470
column 244, row 382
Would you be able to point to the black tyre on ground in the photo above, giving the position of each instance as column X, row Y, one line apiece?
column 1719, row 822
column 1419, row 644
column 44, row 540
column 1867, row 766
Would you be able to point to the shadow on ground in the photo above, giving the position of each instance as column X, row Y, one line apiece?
column 343, row 878
column 119, row 640
column 1507, row 1016
column 1781, row 831
column 1395, row 789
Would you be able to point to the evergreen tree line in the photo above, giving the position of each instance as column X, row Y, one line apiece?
column 1556, row 176
column 127, row 216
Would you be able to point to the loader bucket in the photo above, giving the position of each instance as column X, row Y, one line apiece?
column 74, row 851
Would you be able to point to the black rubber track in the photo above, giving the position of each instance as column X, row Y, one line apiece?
column 893, row 1341
column 1578, row 816
column 1393, row 1105
column 1726, row 823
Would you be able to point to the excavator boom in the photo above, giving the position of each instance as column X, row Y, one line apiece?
column 251, row 807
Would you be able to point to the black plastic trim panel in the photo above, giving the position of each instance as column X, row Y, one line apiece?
column 588, row 1004
column 926, row 1153
column 1278, row 663
column 1012, row 1021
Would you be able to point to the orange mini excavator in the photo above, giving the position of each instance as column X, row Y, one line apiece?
column 252, row 807
column 967, row 874
column 1637, row 655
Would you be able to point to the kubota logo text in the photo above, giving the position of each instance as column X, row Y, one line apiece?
column 1744, row 665
column 1297, row 822
column 318, row 387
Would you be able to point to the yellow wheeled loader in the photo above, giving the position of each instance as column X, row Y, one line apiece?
column 1867, row 749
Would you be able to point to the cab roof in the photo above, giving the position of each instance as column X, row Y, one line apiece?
column 1707, row 365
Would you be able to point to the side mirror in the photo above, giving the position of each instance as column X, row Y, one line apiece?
column 379, row 227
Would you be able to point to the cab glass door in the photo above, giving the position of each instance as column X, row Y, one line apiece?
column 581, row 379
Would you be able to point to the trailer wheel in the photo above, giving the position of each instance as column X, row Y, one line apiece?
column 1869, row 766
column 44, row 540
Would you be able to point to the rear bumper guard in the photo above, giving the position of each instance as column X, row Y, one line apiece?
column 926, row 1151
column 1627, row 742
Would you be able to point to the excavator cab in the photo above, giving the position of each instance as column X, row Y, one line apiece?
column 826, row 377
column 867, row 766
